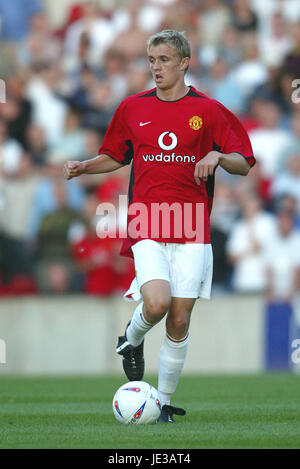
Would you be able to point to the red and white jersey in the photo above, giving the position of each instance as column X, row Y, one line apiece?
column 164, row 140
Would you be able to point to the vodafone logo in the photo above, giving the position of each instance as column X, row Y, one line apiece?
column 168, row 141
column 171, row 136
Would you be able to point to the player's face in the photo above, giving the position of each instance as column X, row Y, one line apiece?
column 165, row 66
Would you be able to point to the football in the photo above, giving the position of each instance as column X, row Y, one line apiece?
column 136, row 403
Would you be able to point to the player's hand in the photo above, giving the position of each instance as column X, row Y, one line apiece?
column 72, row 169
column 206, row 166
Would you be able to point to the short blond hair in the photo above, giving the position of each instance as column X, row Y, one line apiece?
column 173, row 38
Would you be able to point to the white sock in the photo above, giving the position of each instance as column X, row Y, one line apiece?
column 138, row 327
column 170, row 364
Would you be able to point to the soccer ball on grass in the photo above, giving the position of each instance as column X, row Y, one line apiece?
column 137, row 403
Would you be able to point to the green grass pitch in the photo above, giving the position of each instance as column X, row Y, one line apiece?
column 248, row 411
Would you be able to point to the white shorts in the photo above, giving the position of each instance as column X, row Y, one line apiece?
column 187, row 267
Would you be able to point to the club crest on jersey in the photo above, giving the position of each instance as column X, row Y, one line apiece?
column 196, row 122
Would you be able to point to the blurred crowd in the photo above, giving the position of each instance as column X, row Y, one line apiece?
column 68, row 64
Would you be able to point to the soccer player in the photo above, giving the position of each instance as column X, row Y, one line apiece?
column 175, row 137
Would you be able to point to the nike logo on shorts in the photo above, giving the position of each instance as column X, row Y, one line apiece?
column 144, row 123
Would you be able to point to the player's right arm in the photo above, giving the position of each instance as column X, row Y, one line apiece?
column 100, row 164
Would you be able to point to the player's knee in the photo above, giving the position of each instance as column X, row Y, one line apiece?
column 157, row 308
column 177, row 325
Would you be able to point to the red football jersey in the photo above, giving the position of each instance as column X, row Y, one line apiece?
column 164, row 140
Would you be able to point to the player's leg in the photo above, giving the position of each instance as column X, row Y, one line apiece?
column 191, row 275
column 156, row 302
column 157, row 298
column 152, row 284
column 174, row 349
column 179, row 316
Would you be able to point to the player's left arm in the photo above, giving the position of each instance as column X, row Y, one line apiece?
column 233, row 163
column 232, row 148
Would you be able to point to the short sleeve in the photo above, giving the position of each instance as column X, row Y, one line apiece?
column 229, row 134
column 117, row 141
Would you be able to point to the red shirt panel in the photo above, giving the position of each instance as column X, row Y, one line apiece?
column 165, row 139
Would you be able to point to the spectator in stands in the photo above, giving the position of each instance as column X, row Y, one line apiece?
column 230, row 47
column 92, row 143
column 277, row 89
column 109, row 191
column 11, row 113
column 251, row 116
column 10, row 152
column 282, row 260
column 214, row 17
column 17, row 111
column 148, row 16
column 41, row 91
column 101, row 106
column 114, row 69
column 15, row 18
column 70, row 144
column 246, row 244
column 293, row 143
column 275, row 46
column 93, row 62
column 221, row 86
column 74, row 64
column 96, row 257
column 251, row 72
column 40, row 45
column 295, row 123
column 257, row 183
column 54, row 265
column 269, row 141
column 130, row 42
column 105, row 272
column 224, row 214
column 285, row 82
column 292, row 60
column 290, row 10
column 78, row 94
column 138, row 77
column 287, row 182
column 100, row 31
column 243, row 17
column 45, row 201
column 288, row 203
column 35, row 145
column 17, row 190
